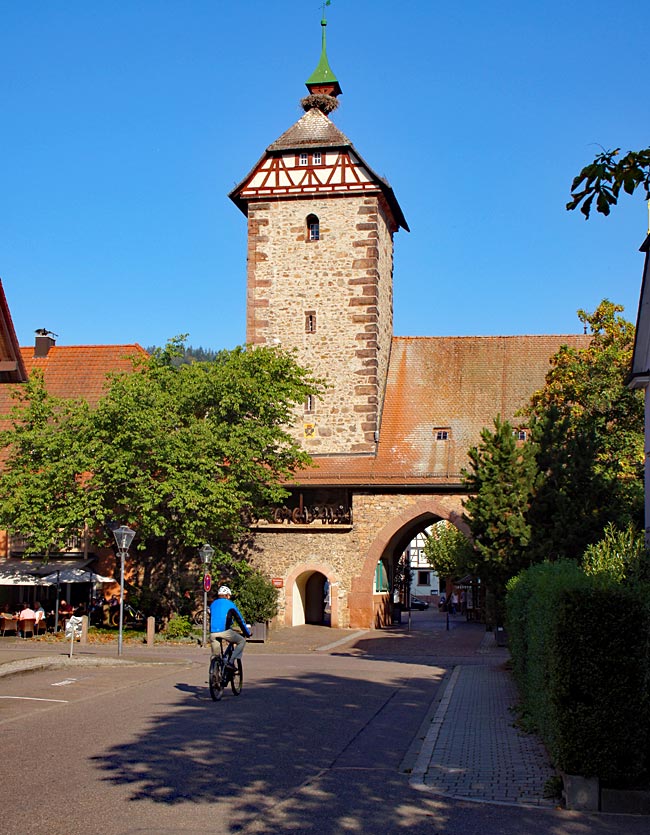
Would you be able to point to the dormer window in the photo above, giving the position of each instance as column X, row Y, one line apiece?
column 313, row 228
column 441, row 434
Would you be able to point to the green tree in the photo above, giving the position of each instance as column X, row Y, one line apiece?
column 500, row 484
column 43, row 484
column 448, row 551
column 604, row 178
column 182, row 453
column 588, row 432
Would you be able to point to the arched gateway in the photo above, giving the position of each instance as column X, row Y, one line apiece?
column 389, row 437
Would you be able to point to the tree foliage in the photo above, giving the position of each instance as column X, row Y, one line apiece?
column 183, row 454
column 582, row 468
column 620, row 555
column 448, row 551
column 604, row 178
column 588, row 430
column 500, row 483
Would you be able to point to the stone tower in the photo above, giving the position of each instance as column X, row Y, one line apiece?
column 320, row 268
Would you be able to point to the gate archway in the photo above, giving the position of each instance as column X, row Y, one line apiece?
column 368, row 610
column 312, row 596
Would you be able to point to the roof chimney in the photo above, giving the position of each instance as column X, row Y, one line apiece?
column 44, row 341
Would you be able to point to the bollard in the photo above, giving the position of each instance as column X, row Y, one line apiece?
column 151, row 630
column 84, row 629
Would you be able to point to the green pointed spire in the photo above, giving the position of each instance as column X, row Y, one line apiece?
column 323, row 76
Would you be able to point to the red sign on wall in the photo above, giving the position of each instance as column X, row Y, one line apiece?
column 207, row 582
column 278, row 582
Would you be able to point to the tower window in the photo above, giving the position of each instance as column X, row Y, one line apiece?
column 303, row 159
column 310, row 402
column 441, row 434
column 316, row 158
column 310, row 321
column 313, row 228
column 520, row 434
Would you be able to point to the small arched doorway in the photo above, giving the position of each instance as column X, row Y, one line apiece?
column 310, row 599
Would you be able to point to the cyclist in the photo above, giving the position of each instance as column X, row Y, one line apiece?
column 222, row 614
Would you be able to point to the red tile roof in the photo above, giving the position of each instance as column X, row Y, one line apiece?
column 76, row 371
column 452, row 384
column 12, row 368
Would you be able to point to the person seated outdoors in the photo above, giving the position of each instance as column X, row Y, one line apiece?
column 26, row 613
column 222, row 614
column 65, row 608
column 39, row 611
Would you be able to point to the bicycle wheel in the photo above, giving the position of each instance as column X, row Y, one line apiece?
column 237, row 677
column 215, row 678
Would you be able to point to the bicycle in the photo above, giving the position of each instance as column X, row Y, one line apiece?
column 220, row 675
column 132, row 617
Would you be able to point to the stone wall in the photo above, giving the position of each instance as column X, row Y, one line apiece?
column 344, row 281
column 348, row 555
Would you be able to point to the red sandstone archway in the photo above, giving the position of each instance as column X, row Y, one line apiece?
column 396, row 534
column 296, row 605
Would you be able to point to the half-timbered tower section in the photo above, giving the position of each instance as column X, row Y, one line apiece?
column 320, row 268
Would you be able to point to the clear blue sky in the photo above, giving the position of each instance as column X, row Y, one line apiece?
column 125, row 124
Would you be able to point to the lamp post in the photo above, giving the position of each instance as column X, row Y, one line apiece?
column 123, row 539
column 206, row 553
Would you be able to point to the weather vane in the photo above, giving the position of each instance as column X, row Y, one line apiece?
column 326, row 3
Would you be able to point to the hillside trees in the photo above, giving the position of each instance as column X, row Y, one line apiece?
column 181, row 453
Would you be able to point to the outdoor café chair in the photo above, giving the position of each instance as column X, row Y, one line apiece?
column 28, row 625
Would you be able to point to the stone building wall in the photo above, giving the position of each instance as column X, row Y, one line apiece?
column 345, row 281
column 348, row 555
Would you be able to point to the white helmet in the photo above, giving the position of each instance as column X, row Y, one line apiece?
column 223, row 591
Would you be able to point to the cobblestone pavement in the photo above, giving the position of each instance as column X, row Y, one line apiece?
column 473, row 750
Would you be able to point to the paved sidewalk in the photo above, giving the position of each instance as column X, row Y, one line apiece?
column 472, row 749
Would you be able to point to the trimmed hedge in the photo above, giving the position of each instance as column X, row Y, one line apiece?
column 581, row 659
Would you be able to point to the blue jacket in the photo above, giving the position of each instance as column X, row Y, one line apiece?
column 222, row 613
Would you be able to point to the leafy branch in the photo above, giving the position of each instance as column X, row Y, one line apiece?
column 603, row 179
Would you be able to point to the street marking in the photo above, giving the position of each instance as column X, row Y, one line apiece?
column 346, row 639
column 34, row 699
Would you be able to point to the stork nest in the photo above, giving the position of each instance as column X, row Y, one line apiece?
column 326, row 104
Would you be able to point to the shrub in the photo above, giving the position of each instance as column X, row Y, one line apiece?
column 581, row 658
column 598, row 684
column 178, row 626
column 620, row 554
column 256, row 597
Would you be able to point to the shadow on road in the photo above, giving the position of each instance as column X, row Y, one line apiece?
column 317, row 752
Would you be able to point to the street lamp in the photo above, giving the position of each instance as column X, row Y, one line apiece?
column 123, row 539
column 206, row 553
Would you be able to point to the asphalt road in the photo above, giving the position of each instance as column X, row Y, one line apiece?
column 316, row 743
